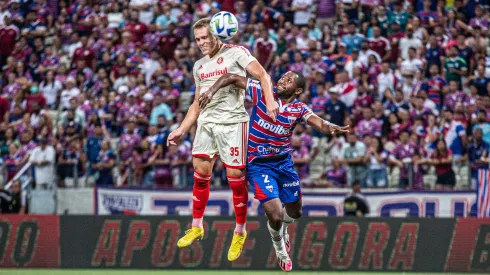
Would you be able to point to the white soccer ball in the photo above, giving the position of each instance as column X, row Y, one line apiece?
column 224, row 25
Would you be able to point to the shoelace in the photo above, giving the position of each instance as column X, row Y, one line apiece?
column 283, row 256
column 240, row 238
column 189, row 230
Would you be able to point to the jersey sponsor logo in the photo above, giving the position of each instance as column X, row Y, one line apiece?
column 217, row 72
column 278, row 129
column 267, row 150
column 220, row 60
column 292, row 184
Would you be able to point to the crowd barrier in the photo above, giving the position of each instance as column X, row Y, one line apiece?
column 315, row 203
column 318, row 244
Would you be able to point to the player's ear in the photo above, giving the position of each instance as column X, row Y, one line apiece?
column 298, row 91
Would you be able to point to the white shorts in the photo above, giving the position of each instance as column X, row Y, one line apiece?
column 229, row 141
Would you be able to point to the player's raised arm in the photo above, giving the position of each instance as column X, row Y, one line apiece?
column 189, row 120
column 324, row 126
column 223, row 81
column 257, row 71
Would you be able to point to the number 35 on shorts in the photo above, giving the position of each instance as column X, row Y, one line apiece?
column 234, row 151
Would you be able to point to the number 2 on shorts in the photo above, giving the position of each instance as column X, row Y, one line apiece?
column 266, row 178
column 234, row 151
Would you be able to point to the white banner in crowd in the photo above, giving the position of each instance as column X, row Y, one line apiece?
column 165, row 202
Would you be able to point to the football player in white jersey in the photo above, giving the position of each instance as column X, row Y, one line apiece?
column 222, row 129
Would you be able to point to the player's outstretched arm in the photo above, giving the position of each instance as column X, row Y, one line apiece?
column 257, row 71
column 189, row 120
column 223, row 81
column 324, row 126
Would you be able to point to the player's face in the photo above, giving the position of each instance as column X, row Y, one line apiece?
column 286, row 86
column 205, row 41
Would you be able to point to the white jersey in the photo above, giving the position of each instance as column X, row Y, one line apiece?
column 227, row 104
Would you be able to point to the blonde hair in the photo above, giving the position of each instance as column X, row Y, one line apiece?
column 202, row 23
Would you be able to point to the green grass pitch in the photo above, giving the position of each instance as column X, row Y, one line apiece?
column 181, row 272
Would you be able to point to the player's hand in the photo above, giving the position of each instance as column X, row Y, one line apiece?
column 272, row 109
column 175, row 136
column 337, row 129
column 206, row 97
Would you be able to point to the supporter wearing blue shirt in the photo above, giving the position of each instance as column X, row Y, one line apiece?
column 92, row 147
column 104, row 165
column 483, row 125
column 480, row 81
column 353, row 40
column 477, row 150
column 335, row 109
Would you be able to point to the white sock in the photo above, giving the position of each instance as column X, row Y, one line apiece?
column 286, row 222
column 276, row 236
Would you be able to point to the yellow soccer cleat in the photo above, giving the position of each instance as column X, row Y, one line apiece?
column 190, row 236
column 236, row 246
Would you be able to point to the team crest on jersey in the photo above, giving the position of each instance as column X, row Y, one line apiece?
column 220, row 60
column 269, row 188
column 292, row 119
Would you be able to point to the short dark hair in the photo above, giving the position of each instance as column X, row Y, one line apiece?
column 300, row 80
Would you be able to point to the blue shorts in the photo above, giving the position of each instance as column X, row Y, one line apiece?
column 275, row 178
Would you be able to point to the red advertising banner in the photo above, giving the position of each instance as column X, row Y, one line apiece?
column 29, row 241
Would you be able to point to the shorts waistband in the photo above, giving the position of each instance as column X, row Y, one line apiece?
column 273, row 158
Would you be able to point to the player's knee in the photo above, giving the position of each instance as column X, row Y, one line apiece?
column 237, row 185
column 297, row 213
column 275, row 219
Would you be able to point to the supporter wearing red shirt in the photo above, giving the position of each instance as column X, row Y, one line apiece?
column 394, row 40
column 264, row 49
column 84, row 53
column 266, row 15
column 136, row 28
column 35, row 98
column 380, row 44
column 8, row 35
column 4, row 107
column 442, row 159
column 169, row 42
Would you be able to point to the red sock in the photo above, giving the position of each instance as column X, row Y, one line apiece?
column 200, row 194
column 240, row 198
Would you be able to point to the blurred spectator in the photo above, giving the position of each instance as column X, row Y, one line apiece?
column 13, row 201
column 377, row 159
column 301, row 158
column 71, row 163
column 354, row 152
column 442, row 160
column 483, row 124
column 355, row 204
column 402, row 156
column 43, row 157
column 336, row 176
column 103, row 165
column 477, row 153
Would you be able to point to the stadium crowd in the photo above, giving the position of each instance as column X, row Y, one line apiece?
column 91, row 89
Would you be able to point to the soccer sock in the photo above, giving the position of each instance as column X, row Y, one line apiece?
column 240, row 201
column 276, row 236
column 287, row 221
column 200, row 197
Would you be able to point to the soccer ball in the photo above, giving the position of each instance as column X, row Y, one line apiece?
column 224, row 25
